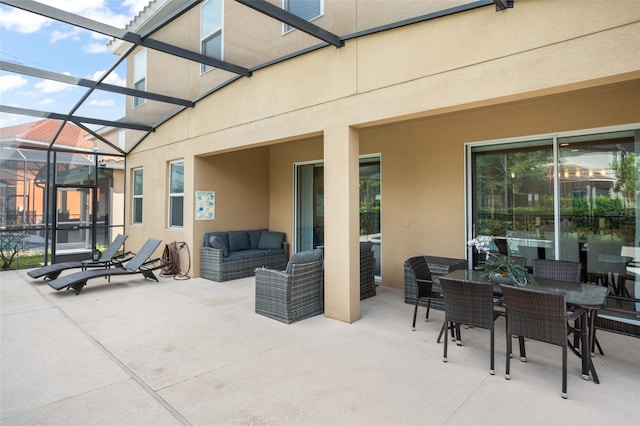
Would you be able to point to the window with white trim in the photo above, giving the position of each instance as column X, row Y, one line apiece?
column 176, row 194
column 136, row 202
column 305, row 9
column 210, row 31
column 140, row 76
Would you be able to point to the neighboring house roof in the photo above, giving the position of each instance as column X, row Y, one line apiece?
column 42, row 133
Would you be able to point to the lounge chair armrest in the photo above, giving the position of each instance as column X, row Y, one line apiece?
column 125, row 254
column 155, row 264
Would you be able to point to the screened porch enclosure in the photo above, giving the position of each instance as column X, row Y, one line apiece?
column 56, row 203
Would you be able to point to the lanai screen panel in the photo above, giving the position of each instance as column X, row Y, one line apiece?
column 172, row 52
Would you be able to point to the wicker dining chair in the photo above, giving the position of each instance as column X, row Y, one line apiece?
column 424, row 285
column 469, row 303
column 538, row 315
column 561, row 270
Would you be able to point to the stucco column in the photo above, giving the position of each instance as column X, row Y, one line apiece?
column 341, row 224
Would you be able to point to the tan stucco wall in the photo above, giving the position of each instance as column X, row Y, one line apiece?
column 416, row 95
column 282, row 159
column 240, row 181
column 423, row 164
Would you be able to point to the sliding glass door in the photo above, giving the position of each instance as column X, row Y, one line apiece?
column 513, row 195
column 566, row 197
column 309, row 205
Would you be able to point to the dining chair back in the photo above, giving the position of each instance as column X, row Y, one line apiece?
column 502, row 245
column 537, row 315
column 424, row 284
column 561, row 270
column 469, row 303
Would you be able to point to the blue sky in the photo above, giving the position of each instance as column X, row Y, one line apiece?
column 34, row 41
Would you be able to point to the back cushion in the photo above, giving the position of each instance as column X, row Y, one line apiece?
column 271, row 240
column 239, row 240
column 304, row 257
column 218, row 243
column 254, row 238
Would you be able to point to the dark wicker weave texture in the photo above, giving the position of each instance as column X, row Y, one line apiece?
column 537, row 315
column 469, row 303
column 423, row 285
column 213, row 266
column 562, row 270
column 438, row 266
column 620, row 316
column 367, row 274
column 290, row 298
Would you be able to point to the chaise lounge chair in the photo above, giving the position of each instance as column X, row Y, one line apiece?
column 108, row 258
column 138, row 264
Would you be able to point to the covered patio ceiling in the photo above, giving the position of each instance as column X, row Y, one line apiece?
column 144, row 30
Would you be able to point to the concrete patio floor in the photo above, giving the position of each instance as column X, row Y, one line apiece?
column 134, row 352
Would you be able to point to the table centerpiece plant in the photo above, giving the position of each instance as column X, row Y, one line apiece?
column 504, row 270
column 482, row 243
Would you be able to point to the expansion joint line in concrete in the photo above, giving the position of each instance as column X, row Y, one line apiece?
column 120, row 364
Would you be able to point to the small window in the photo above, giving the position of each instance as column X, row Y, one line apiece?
column 176, row 194
column 136, row 203
column 305, row 9
column 140, row 76
column 211, row 31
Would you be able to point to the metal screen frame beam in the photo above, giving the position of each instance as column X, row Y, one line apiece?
column 295, row 21
column 137, row 39
column 77, row 81
column 74, row 118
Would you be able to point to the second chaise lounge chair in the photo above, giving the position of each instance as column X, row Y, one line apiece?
column 108, row 258
column 138, row 264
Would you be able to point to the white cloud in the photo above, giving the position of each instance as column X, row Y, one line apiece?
column 103, row 103
column 112, row 78
column 98, row 10
column 50, row 86
column 72, row 34
column 46, row 101
column 95, row 48
column 21, row 21
column 11, row 82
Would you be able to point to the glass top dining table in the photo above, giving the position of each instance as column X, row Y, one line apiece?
column 590, row 297
column 587, row 296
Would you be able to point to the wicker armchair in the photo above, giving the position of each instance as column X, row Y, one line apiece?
column 537, row 315
column 294, row 294
column 469, row 303
column 367, row 271
column 562, row 270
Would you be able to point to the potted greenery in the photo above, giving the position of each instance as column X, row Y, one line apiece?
column 504, row 270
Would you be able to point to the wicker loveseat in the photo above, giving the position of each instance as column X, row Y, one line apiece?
column 438, row 266
column 621, row 315
column 231, row 255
